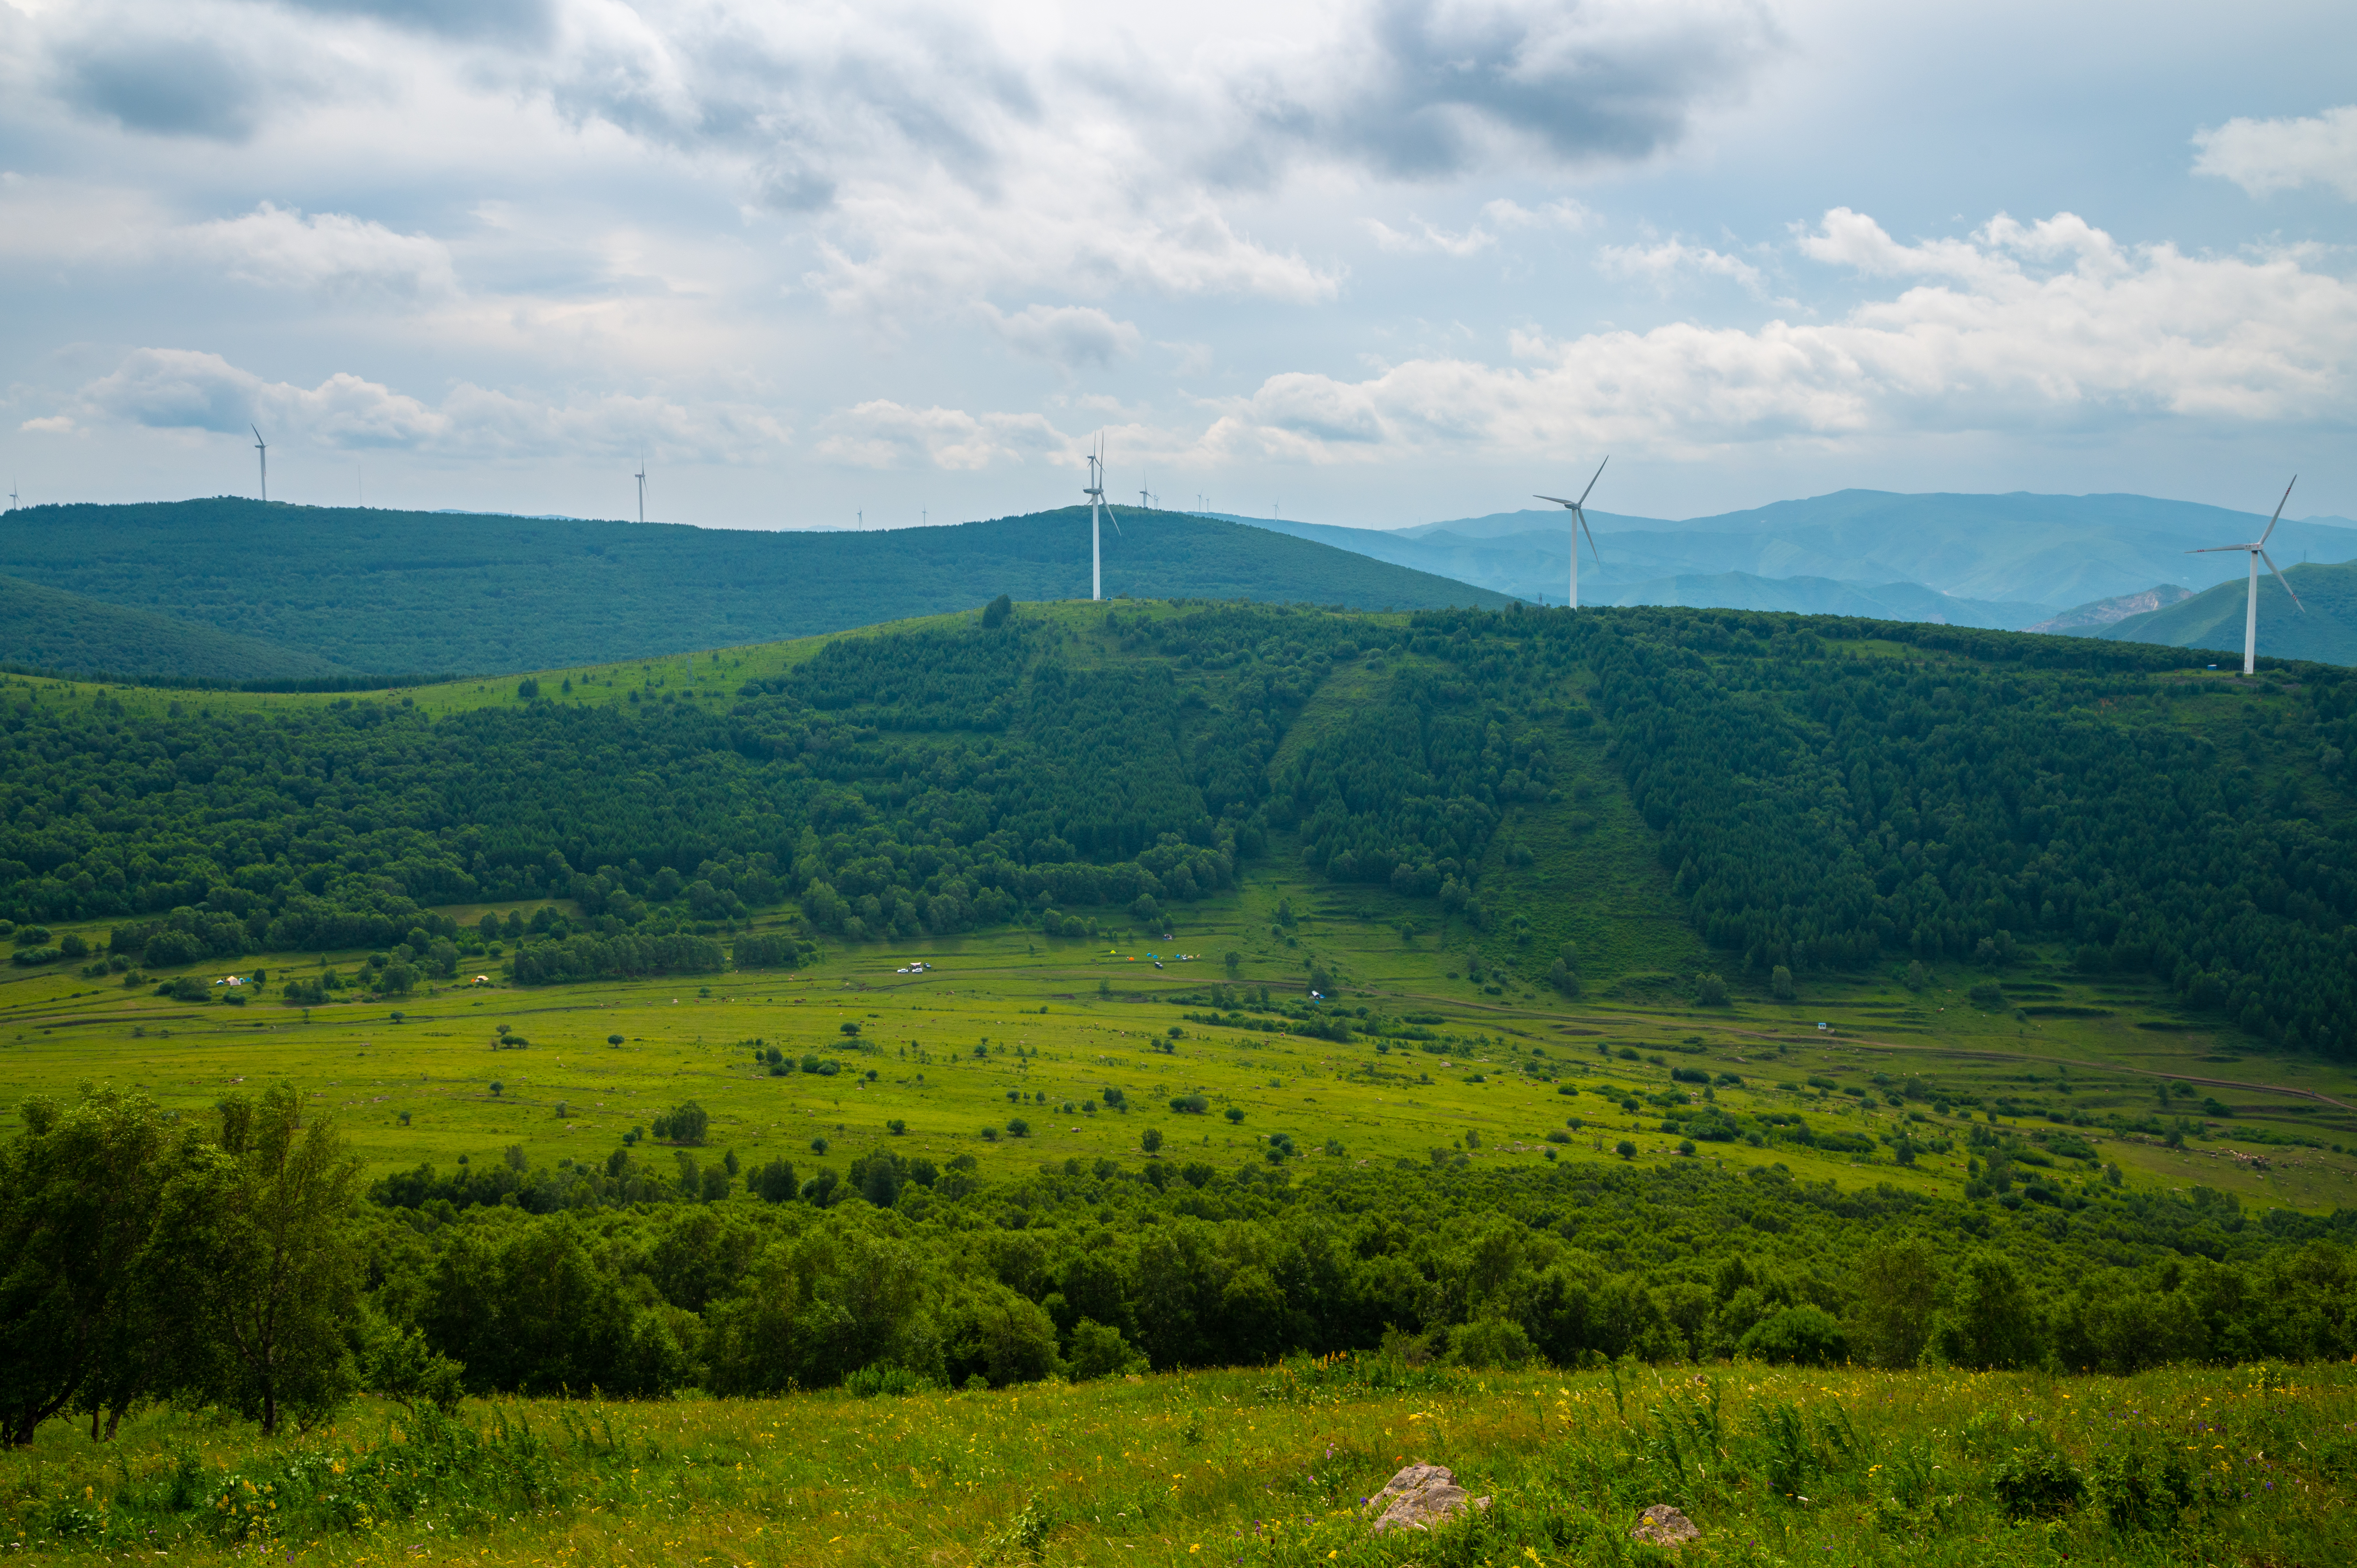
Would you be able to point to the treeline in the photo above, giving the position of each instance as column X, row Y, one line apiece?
column 228, row 1259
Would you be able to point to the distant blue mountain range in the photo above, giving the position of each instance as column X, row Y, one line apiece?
column 2008, row 560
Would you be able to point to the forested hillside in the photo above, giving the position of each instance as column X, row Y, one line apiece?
column 374, row 590
column 48, row 629
column 1830, row 794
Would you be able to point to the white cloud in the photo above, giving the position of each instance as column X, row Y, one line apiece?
column 181, row 389
column 1658, row 265
column 1067, row 335
column 903, row 253
column 2267, row 155
column 1501, row 215
column 886, row 435
column 2112, row 339
column 1472, row 243
column 332, row 251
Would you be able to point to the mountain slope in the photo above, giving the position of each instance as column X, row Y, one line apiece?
column 2326, row 631
column 52, row 630
column 1812, row 596
column 385, row 590
column 2049, row 552
column 2086, row 618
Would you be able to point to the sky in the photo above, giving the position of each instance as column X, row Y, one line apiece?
column 1362, row 262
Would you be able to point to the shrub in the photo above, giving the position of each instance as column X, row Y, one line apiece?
column 1100, row 1351
column 1491, row 1343
column 2037, row 1482
column 2138, row 1491
column 683, row 1123
column 1710, row 990
column 1235, row 1114
column 1796, row 1336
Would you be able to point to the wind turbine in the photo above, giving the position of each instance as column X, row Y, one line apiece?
column 1098, row 505
column 2258, row 549
column 641, row 477
column 1095, row 493
column 12, row 495
column 262, row 447
column 1579, row 511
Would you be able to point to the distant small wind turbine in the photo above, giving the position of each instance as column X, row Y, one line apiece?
column 1578, row 509
column 641, row 477
column 12, row 495
column 262, row 447
column 2251, row 605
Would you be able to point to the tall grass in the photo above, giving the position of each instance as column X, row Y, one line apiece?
column 1265, row 1466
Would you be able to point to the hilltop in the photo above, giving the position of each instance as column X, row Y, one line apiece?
column 375, row 590
column 2324, row 630
column 2001, row 561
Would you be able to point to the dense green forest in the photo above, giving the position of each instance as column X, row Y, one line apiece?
column 1830, row 794
column 380, row 591
column 231, row 1259
column 1825, row 809
column 48, row 629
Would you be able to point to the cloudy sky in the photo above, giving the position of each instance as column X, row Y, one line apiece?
column 1366, row 260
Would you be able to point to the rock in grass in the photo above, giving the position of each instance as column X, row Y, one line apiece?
column 1420, row 1498
column 1662, row 1525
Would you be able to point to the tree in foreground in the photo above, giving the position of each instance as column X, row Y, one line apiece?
column 78, row 1195
column 254, row 1246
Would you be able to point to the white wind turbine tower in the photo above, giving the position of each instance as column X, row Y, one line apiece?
column 1095, row 493
column 262, row 447
column 2257, row 548
column 1579, row 511
column 641, row 477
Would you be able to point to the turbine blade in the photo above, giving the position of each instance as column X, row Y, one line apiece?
column 1581, row 514
column 2280, row 506
column 1591, row 483
column 1557, row 500
column 2281, row 578
column 2220, row 549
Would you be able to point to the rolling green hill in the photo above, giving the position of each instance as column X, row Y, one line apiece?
column 1823, row 795
column 49, row 629
column 384, row 590
column 2325, row 631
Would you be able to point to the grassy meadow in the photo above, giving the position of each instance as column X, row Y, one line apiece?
column 1254, row 1466
column 1011, row 1026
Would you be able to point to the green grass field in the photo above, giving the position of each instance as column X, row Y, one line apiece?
column 1054, row 1021
column 1254, row 1466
